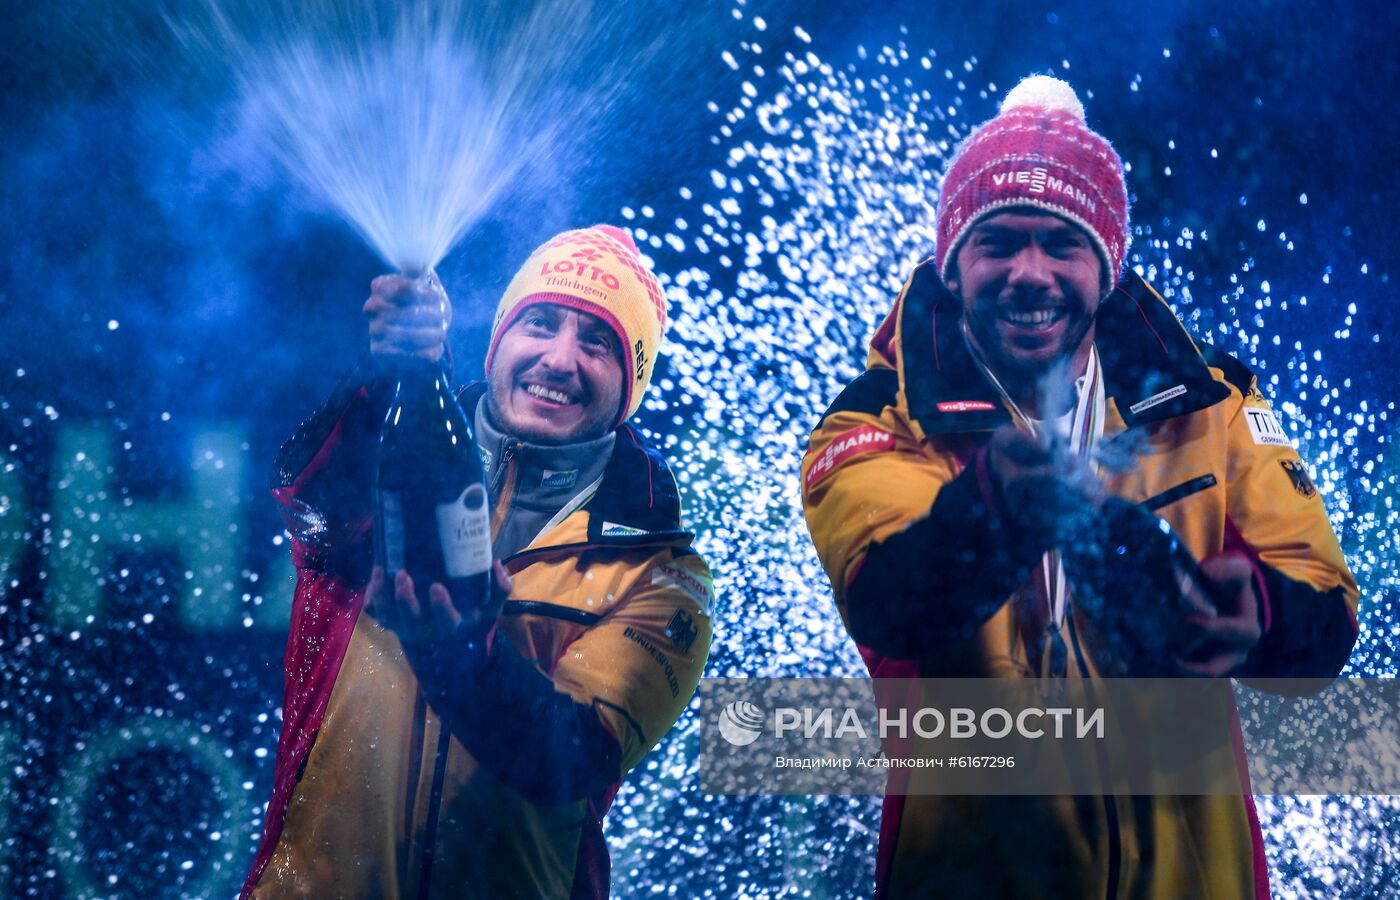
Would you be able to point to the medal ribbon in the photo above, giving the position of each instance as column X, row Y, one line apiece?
column 1086, row 429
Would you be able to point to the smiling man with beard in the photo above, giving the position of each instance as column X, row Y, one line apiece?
column 424, row 755
column 994, row 498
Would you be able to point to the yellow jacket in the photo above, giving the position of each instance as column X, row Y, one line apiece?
column 474, row 771
column 927, row 572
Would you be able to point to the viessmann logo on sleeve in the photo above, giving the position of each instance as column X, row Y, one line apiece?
column 957, row 406
column 865, row 439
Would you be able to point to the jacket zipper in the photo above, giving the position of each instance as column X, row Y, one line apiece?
column 425, row 851
column 503, row 467
column 1110, row 801
column 504, row 477
column 502, row 487
column 415, row 763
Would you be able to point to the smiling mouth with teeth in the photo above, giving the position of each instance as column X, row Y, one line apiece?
column 1031, row 317
column 544, row 393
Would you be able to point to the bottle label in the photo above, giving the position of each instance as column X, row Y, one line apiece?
column 391, row 508
column 465, row 528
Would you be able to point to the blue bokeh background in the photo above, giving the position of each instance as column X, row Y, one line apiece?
column 166, row 319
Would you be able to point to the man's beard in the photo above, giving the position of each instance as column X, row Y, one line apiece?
column 1022, row 377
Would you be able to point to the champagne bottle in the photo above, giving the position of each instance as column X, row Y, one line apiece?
column 431, row 513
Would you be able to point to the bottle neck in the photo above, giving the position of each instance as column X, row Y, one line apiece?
column 401, row 367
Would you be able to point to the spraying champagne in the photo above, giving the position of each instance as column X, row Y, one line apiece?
column 431, row 515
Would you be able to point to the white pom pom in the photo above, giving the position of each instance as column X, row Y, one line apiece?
column 1044, row 92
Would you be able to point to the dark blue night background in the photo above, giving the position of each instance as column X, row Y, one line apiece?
column 172, row 305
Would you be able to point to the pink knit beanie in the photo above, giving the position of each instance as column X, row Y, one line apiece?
column 1037, row 152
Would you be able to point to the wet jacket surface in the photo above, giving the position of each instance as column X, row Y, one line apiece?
column 478, row 765
column 930, row 578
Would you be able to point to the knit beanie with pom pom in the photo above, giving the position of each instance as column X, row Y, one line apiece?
column 596, row 270
column 1037, row 152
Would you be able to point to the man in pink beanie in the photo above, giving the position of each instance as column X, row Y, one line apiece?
column 431, row 751
column 1021, row 485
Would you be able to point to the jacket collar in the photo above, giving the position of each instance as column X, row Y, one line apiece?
column 548, row 476
column 637, row 503
column 1152, row 369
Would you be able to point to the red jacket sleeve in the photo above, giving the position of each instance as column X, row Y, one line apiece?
column 322, row 478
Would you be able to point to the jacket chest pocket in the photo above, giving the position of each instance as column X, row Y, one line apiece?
column 1196, row 510
column 1179, row 492
column 542, row 631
